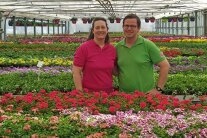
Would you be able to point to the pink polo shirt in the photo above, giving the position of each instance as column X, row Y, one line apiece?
column 97, row 65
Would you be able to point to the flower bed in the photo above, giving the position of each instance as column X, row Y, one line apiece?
column 76, row 114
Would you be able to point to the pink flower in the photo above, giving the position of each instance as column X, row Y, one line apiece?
column 26, row 127
column 96, row 112
column 34, row 136
column 54, row 120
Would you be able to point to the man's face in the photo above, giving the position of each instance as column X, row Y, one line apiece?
column 130, row 28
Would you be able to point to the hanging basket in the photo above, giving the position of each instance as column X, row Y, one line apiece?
column 186, row 19
column 85, row 20
column 11, row 22
column 111, row 19
column 174, row 19
column 170, row 19
column 152, row 19
column 56, row 21
column 90, row 20
column 180, row 19
column 118, row 20
column 192, row 18
column 164, row 19
column 74, row 20
column 146, row 19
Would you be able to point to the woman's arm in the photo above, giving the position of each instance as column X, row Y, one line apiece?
column 77, row 77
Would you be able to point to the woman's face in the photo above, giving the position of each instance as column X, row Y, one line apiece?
column 100, row 30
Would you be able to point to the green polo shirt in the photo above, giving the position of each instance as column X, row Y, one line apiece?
column 135, row 65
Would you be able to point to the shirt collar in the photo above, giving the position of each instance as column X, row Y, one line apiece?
column 94, row 43
column 139, row 41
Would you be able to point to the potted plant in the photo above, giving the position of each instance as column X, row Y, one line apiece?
column 89, row 20
column 186, row 19
column 192, row 18
column 180, row 19
column 11, row 22
column 152, row 19
column 170, row 19
column 85, row 20
column 111, row 19
column 74, row 20
column 146, row 19
column 174, row 19
column 56, row 21
column 118, row 19
column 164, row 19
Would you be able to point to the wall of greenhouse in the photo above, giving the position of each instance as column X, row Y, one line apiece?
column 193, row 28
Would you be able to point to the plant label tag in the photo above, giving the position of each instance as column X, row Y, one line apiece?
column 40, row 64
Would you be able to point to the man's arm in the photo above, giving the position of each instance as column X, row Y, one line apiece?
column 163, row 75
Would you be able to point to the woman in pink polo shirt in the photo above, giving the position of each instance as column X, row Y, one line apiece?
column 94, row 60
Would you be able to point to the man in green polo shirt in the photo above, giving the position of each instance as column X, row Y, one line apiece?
column 136, row 58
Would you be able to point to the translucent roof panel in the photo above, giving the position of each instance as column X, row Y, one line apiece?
column 66, row 9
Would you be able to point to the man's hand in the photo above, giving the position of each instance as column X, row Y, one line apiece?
column 153, row 92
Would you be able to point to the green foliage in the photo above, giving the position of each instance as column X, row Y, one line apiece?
column 22, row 83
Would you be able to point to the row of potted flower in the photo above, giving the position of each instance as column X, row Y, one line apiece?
column 22, row 22
column 89, row 20
column 179, row 19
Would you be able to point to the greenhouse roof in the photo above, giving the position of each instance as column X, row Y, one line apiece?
column 66, row 9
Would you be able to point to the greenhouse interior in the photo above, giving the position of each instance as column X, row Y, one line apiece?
column 103, row 69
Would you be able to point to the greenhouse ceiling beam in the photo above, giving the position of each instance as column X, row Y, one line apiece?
column 107, row 6
column 42, row 0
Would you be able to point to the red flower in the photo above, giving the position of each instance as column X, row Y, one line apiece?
column 104, row 95
column 112, row 102
column 104, row 101
column 175, row 103
column 9, row 95
column 143, row 105
column 43, row 105
column 118, row 106
column 42, row 91
column 130, row 102
column 112, row 109
column 96, row 94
